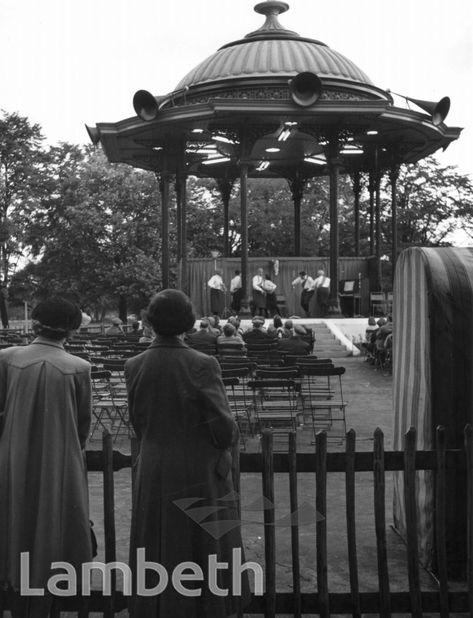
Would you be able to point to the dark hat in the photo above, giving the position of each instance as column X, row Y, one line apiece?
column 57, row 313
column 170, row 313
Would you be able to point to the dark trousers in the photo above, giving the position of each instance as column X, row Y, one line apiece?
column 271, row 304
column 306, row 295
column 236, row 300
column 322, row 300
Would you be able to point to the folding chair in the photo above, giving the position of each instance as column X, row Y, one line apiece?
column 275, row 401
column 241, row 402
column 119, row 393
column 231, row 349
column 318, row 390
column 96, row 349
column 265, row 353
column 107, row 411
column 238, row 363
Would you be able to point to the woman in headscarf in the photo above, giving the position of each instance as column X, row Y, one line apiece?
column 185, row 509
column 45, row 412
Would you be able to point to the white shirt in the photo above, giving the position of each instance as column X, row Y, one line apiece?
column 322, row 282
column 257, row 283
column 235, row 283
column 216, row 282
column 269, row 286
column 307, row 283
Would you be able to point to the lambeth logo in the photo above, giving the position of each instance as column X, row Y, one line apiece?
column 209, row 516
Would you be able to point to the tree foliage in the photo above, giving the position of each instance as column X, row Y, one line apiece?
column 96, row 232
column 22, row 163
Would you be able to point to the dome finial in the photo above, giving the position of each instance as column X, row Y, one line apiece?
column 271, row 8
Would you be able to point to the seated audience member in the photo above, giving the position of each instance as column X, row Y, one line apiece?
column 115, row 329
column 287, row 328
column 148, row 334
column 235, row 321
column 385, row 329
column 368, row 343
column 257, row 334
column 276, row 328
column 203, row 338
column 86, row 319
column 294, row 344
column 135, row 332
column 230, row 337
column 214, row 325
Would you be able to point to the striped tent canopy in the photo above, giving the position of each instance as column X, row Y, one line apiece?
column 432, row 379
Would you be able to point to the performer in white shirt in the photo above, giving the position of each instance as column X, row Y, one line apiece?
column 217, row 293
column 271, row 301
column 236, row 291
column 322, row 292
column 308, row 288
column 259, row 294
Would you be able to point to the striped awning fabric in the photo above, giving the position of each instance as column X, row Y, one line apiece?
column 432, row 377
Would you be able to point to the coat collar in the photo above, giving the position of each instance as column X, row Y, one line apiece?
column 168, row 342
column 50, row 342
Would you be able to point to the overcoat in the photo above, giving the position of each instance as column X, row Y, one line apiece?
column 45, row 402
column 185, row 508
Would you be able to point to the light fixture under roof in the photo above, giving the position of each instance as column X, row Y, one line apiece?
column 284, row 135
column 207, row 150
column 351, row 150
column 215, row 160
column 197, row 130
column 372, row 132
column 262, row 166
column 316, row 160
column 273, row 149
column 223, row 139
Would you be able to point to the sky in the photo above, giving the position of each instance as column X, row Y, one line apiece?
column 68, row 63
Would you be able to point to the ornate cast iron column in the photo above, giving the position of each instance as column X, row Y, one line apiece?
column 181, row 199
column 225, row 186
column 372, row 191
column 356, row 193
column 378, row 237
column 393, row 176
column 297, row 186
column 244, row 233
column 164, row 179
column 334, row 161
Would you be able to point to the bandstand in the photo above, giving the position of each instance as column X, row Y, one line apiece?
column 276, row 104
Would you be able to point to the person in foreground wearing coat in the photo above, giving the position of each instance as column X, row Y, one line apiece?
column 45, row 413
column 185, row 509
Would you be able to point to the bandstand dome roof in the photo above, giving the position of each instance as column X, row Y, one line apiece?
column 273, row 51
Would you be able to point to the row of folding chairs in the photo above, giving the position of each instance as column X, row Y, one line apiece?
column 283, row 398
column 109, row 400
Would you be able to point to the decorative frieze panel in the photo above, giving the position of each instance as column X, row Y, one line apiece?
column 264, row 93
